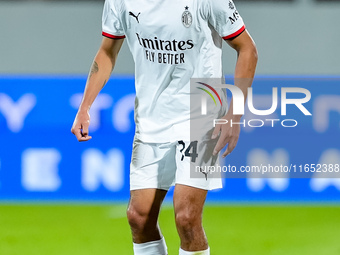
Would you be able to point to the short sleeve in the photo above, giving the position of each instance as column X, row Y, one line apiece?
column 226, row 20
column 111, row 24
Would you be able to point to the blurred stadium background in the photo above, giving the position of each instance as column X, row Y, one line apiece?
column 58, row 196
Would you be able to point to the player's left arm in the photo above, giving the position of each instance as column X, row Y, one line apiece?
column 244, row 74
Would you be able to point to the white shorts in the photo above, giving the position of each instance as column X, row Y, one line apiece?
column 161, row 165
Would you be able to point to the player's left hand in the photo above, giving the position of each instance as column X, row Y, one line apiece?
column 227, row 135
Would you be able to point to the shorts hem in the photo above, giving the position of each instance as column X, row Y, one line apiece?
column 139, row 187
column 200, row 187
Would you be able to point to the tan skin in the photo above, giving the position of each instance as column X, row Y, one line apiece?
column 144, row 204
column 99, row 74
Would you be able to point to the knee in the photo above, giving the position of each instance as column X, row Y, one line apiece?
column 137, row 220
column 187, row 221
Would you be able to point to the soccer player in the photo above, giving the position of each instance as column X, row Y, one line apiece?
column 171, row 42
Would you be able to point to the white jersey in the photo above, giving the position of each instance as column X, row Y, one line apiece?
column 171, row 41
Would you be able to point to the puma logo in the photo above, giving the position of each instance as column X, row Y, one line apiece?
column 133, row 15
column 205, row 173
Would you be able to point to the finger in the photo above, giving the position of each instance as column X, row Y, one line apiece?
column 216, row 131
column 84, row 138
column 222, row 141
column 227, row 152
column 230, row 148
column 85, row 129
column 80, row 137
column 77, row 133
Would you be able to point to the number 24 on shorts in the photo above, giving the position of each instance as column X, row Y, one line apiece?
column 191, row 150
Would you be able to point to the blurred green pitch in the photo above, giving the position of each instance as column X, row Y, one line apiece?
column 231, row 229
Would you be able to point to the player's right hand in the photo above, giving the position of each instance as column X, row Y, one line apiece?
column 80, row 127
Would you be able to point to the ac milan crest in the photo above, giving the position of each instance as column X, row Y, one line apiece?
column 186, row 17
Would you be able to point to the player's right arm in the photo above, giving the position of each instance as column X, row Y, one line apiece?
column 100, row 72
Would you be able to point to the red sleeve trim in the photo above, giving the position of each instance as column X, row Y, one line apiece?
column 238, row 32
column 113, row 36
